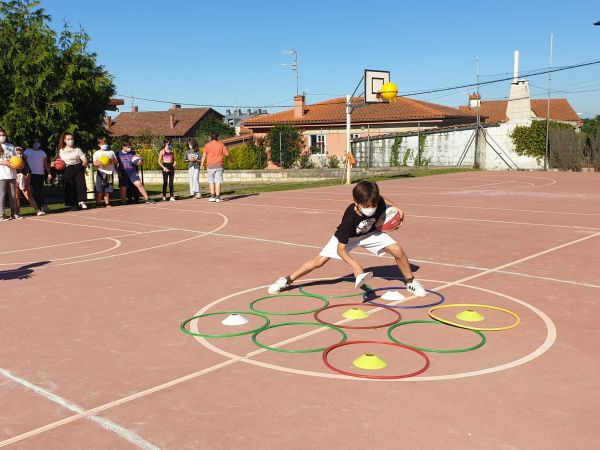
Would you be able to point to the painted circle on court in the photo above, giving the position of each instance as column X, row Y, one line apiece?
column 540, row 350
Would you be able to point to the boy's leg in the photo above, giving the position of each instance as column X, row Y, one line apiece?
column 123, row 193
column 283, row 282
column 413, row 286
column 138, row 184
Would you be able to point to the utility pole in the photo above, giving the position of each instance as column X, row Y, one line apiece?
column 478, row 126
column 546, row 162
column 294, row 66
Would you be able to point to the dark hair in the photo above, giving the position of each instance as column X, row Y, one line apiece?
column 166, row 141
column 366, row 193
column 214, row 136
column 194, row 143
column 102, row 140
column 3, row 130
column 61, row 141
column 33, row 139
column 125, row 143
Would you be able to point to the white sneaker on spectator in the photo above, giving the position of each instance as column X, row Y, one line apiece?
column 40, row 213
column 415, row 288
column 280, row 284
column 212, row 199
column 16, row 216
column 172, row 199
column 218, row 199
column 197, row 196
column 82, row 205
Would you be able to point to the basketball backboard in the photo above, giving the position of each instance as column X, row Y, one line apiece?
column 374, row 80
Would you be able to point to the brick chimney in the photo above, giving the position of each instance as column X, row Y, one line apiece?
column 172, row 120
column 107, row 122
column 134, row 109
column 299, row 106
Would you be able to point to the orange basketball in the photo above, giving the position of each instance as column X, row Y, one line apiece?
column 59, row 165
column 16, row 162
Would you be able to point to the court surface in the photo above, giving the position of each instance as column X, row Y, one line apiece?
column 93, row 356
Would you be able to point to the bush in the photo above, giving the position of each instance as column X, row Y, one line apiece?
column 286, row 145
column 334, row 162
column 245, row 157
column 304, row 161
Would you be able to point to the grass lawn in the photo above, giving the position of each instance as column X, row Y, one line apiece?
column 54, row 194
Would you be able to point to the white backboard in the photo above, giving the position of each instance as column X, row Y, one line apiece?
column 374, row 80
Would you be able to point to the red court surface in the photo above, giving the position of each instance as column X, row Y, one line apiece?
column 92, row 353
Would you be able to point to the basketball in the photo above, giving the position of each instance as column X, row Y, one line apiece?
column 16, row 162
column 137, row 160
column 390, row 220
column 60, row 165
column 389, row 91
column 104, row 160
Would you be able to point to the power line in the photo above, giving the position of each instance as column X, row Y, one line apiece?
column 171, row 102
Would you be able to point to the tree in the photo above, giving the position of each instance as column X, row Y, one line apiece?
column 531, row 140
column 50, row 83
column 212, row 125
column 286, row 145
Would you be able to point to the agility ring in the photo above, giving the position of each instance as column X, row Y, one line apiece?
column 318, row 283
column 371, row 327
column 191, row 333
column 366, row 300
column 460, row 325
column 269, row 313
column 312, row 350
column 375, row 377
column 433, row 350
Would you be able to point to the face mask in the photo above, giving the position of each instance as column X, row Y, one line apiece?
column 104, row 147
column 36, row 145
column 2, row 139
column 367, row 211
column 70, row 142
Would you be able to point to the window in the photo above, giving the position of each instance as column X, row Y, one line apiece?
column 231, row 122
column 317, row 144
column 354, row 135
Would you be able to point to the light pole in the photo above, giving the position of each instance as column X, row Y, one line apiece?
column 294, row 66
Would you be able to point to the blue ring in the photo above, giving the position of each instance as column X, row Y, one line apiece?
column 442, row 298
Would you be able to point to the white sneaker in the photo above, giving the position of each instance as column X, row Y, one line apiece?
column 40, row 213
column 16, row 216
column 415, row 288
column 362, row 279
column 197, row 196
column 164, row 199
column 172, row 199
column 278, row 286
column 218, row 199
column 82, row 205
column 212, row 199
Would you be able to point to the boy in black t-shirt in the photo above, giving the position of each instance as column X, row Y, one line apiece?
column 357, row 229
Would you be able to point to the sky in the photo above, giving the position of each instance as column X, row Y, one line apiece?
column 230, row 54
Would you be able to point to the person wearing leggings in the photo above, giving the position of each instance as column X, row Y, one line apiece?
column 74, row 174
column 166, row 160
column 38, row 162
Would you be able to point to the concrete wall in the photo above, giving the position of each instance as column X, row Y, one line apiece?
column 447, row 148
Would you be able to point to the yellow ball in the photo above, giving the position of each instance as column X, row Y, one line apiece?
column 16, row 162
column 389, row 91
column 104, row 160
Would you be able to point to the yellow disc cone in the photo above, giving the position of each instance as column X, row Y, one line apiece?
column 369, row 361
column 470, row 315
column 355, row 313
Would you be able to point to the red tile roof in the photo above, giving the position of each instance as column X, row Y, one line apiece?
column 159, row 122
column 495, row 110
column 334, row 112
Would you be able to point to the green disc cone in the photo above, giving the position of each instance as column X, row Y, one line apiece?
column 470, row 315
column 355, row 313
column 369, row 361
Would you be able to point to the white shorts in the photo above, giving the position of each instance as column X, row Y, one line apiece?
column 375, row 242
column 215, row 175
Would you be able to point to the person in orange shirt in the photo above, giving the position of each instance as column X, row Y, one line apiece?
column 214, row 155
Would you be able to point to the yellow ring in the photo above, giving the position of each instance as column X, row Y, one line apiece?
column 433, row 316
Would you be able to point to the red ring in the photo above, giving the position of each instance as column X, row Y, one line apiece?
column 376, row 377
column 398, row 319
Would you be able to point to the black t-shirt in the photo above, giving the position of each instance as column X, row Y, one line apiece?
column 355, row 224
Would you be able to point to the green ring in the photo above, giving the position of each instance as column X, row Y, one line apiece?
column 183, row 324
column 268, row 313
column 301, row 289
column 432, row 350
column 273, row 349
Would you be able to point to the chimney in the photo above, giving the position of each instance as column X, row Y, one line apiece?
column 299, row 106
column 175, row 106
column 249, row 111
column 107, row 122
column 474, row 101
column 172, row 120
column 134, row 109
column 518, row 108
column 228, row 112
column 516, row 67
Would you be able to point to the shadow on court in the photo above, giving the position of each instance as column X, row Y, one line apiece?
column 22, row 273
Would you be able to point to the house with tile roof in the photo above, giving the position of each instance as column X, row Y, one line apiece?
column 323, row 124
column 177, row 122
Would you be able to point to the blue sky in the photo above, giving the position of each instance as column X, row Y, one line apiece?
column 230, row 53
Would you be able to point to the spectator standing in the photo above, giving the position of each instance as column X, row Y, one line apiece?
column 192, row 157
column 40, row 169
column 166, row 160
column 8, row 178
column 74, row 174
column 214, row 156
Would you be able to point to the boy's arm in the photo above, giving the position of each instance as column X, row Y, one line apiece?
column 202, row 160
column 343, row 253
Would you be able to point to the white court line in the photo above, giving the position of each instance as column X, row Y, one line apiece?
column 160, row 387
column 64, row 244
column 435, row 205
column 104, row 423
column 117, row 244
column 82, row 225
